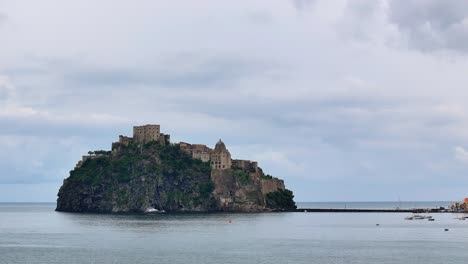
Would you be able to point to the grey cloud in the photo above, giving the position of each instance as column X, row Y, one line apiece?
column 280, row 96
column 362, row 8
column 3, row 18
column 218, row 71
column 40, row 126
column 3, row 95
column 360, row 20
column 260, row 18
column 302, row 4
column 28, row 159
column 432, row 24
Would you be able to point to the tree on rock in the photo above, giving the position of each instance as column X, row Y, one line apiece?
column 282, row 200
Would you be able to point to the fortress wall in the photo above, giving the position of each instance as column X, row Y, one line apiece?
column 247, row 165
column 271, row 185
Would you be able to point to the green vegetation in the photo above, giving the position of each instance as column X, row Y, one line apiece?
column 266, row 176
column 99, row 152
column 243, row 177
column 206, row 189
column 132, row 162
column 91, row 172
column 144, row 174
column 281, row 200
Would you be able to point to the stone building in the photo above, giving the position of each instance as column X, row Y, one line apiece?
column 220, row 157
column 247, row 165
column 197, row 151
column 124, row 140
column 460, row 207
column 142, row 134
column 147, row 133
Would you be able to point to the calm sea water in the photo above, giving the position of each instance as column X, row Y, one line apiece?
column 34, row 233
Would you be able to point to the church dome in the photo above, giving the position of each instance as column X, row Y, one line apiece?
column 220, row 146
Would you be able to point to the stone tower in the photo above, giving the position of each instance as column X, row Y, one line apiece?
column 220, row 157
column 145, row 134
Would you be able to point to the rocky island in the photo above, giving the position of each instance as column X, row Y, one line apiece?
column 147, row 171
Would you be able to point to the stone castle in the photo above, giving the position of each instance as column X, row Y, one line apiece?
column 142, row 134
column 219, row 157
column 238, row 185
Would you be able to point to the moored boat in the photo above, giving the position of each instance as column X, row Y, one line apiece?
column 152, row 210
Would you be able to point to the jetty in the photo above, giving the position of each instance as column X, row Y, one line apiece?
column 354, row 210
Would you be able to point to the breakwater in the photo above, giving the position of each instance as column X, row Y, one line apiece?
column 345, row 210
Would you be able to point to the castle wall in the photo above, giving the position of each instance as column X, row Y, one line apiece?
column 204, row 156
column 164, row 139
column 124, row 140
column 247, row 165
column 271, row 185
column 197, row 151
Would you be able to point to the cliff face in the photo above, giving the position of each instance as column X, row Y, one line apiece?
column 239, row 190
column 138, row 177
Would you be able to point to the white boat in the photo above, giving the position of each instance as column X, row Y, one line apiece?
column 152, row 210
column 418, row 217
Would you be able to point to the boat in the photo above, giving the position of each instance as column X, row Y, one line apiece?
column 152, row 210
column 419, row 217
column 431, row 219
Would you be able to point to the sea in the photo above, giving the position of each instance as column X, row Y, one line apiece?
column 35, row 233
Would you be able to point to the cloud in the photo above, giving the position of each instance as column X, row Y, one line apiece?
column 188, row 70
column 280, row 158
column 322, row 93
column 433, row 24
column 6, row 87
column 461, row 154
column 3, row 18
column 302, row 4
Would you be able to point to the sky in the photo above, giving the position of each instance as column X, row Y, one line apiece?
column 346, row 100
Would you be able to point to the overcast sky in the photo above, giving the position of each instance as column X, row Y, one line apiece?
column 352, row 100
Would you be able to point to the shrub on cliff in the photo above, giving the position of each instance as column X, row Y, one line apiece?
column 281, row 200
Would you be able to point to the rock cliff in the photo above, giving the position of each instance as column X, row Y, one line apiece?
column 140, row 176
